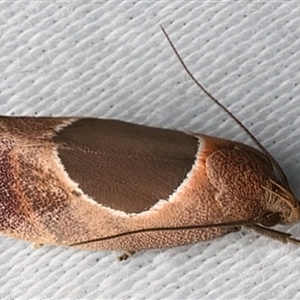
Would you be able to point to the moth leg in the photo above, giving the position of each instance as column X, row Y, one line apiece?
column 37, row 245
column 280, row 236
column 125, row 255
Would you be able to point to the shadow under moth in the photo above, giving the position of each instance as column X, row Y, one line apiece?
column 110, row 185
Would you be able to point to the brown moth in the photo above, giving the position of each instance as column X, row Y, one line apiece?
column 111, row 185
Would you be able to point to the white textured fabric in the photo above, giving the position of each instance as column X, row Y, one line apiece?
column 110, row 59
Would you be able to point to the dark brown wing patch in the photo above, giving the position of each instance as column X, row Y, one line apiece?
column 124, row 166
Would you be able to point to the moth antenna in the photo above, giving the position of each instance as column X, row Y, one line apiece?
column 268, row 232
column 255, row 140
column 155, row 229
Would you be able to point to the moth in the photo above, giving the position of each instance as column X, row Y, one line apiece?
column 110, row 185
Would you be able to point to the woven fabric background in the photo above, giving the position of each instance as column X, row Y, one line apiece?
column 111, row 59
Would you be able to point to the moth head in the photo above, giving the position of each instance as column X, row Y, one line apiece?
column 283, row 201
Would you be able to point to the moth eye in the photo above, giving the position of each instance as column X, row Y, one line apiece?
column 270, row 219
